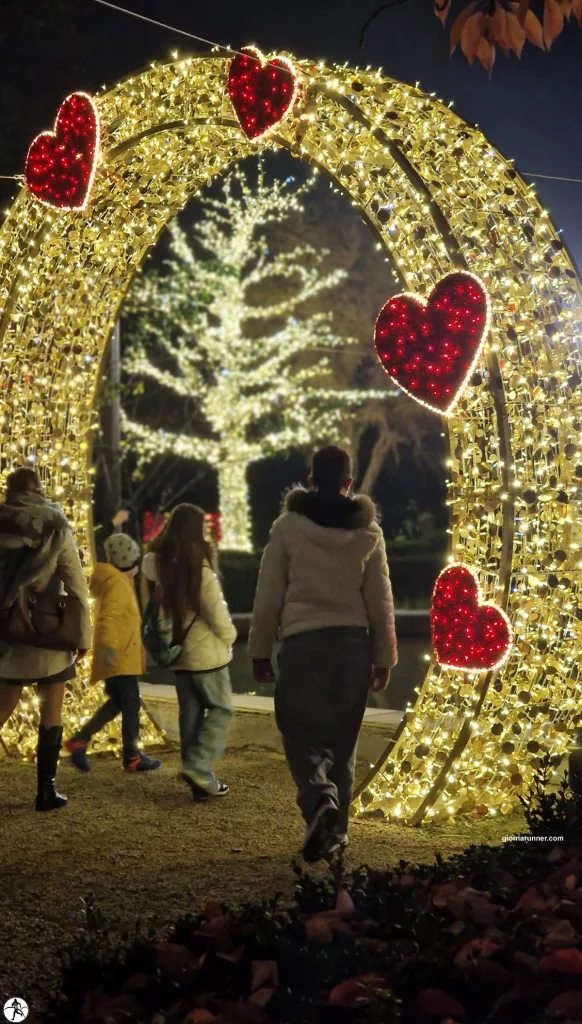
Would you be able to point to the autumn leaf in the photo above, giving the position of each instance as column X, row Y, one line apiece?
column 344, row 903
column 442, row 10
column 533, row 30
column 499, row 33
column 458, row 26
column 566, row 8
column 475, row 948
column 486, row 55
column 433, row 1002
column 553, row 21
column 563, row 961
column 200, row 1017
column 577, row 10
column 531, row 25
column 318, row 930
column 567, row 1004
column 522, row 9
column 471, row 35
column 515, row 34
column 265, row 973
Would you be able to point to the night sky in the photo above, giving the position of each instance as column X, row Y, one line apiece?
column 530, row 109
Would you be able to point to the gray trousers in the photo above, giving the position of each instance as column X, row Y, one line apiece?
column 205, row 704
column 320, row 699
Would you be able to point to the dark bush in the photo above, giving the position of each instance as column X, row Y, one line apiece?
column 412, row 572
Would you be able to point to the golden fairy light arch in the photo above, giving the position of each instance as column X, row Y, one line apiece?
column 438, row 196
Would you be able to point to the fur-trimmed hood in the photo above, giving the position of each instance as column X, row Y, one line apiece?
column 334, row 511
column 33, row 531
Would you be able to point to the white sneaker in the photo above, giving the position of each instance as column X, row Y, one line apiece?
column 336, row 844
column 318, row 830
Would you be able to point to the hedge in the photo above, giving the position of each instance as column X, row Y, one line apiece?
column 412, row 576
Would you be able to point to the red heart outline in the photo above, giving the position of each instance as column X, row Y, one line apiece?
column 236, row 88
column 460, row 620
column 418, row 310
column 86, row 148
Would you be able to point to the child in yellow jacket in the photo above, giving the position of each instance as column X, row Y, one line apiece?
column 118, row 654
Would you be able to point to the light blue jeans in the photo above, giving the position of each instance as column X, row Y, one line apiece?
column 205, row 703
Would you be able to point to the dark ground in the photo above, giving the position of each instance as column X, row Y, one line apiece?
column 147, row 851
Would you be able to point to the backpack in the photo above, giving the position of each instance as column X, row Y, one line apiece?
column 157, row 635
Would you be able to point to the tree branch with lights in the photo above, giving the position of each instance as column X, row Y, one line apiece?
column 226, row 328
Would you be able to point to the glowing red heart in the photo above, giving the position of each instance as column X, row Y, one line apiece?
column 60, row 166
column 467, row 633
column 261, row 91
column 430, row 350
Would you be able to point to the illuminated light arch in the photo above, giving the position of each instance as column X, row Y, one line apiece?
column 438, row 197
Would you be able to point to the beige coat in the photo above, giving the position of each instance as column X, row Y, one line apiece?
column 208, row 644
column 32, row 663
column 324, row 565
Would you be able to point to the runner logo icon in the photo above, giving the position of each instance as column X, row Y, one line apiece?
column 15, row 1010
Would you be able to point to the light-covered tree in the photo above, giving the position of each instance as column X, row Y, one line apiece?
column 224, row 330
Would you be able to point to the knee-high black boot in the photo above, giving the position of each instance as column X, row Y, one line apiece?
column 49, row 744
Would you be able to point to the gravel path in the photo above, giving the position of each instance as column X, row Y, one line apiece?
column 146, row 850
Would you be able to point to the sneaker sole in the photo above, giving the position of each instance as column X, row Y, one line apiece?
column 198, row 792
column 314, row 848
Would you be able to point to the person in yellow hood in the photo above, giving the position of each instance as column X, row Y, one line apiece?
column 118, row 654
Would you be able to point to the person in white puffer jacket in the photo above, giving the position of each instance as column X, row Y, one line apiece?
column 324, row 590
column 179, row 565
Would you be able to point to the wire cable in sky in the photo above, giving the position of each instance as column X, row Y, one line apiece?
column 228, row 49
column 551, row 177
column 170, row 28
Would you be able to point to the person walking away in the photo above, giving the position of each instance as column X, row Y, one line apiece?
column 179, row 569
column 324, row 590
column 118, row 655
column 38, row 550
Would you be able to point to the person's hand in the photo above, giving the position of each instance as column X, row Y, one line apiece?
column 380, row 679
column 80, row 655
column 263, row 671
column 121, row 517
column 108, row 657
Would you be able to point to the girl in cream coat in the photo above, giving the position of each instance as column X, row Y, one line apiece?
column 179, row 565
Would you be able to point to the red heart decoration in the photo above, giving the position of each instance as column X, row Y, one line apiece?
column 467, row 633
column 430, row 350
column 261, row 91
column 60, row 166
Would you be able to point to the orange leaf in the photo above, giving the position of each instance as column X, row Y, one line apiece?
column 566, row 8
column 563, row 961
column 515, row 34
column 486, row 55
column 553, row 21
column 532, row 26
column 533, row 30
column 442, row 10
column 499, row 33
column 577, row 10
column 522, row 9
column 471, row 35
column 458, row 26
column 318, row 930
